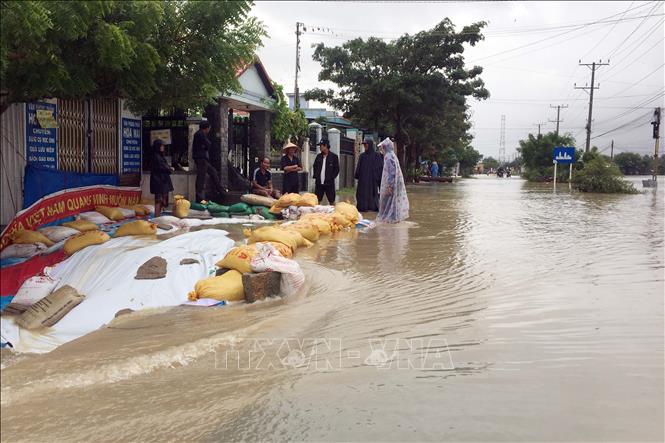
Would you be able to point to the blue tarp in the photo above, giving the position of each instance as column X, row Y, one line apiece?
column 40, row 182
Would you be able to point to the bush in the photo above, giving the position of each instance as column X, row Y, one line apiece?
column 599, row 175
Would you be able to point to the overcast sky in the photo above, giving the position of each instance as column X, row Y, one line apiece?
column 530, row 58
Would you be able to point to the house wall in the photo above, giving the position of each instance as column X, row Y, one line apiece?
column 12, row 149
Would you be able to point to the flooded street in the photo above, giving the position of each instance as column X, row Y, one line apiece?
column 500, row 311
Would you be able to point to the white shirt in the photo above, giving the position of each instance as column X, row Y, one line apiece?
column 322, row 177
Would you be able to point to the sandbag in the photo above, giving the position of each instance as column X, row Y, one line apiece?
column 58, row 233
column 127, row 212
column 220, row 214
column 139, row 210
column 114, row 214
column 284, row 250
column 322, row 224
column 138, row 227
column 239, row 208
column 265, row 213
column 81, row 225
column 257, row 200
column 349, row 211
column 94, row 217
column 198, row 206
column 307, row 230
column 274, row 209
column 238, row 258
column 227, row 286
column 286, row 200
column 308, row 199
column 49, row 310
column 34, row 289
column 341, row 220
column 85, row 239
column 181, row 206
column 214, row 207
column 269, row 234
column 22, row 250
column 26, row 237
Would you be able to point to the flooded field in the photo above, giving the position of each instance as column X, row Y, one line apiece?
column 500, row 311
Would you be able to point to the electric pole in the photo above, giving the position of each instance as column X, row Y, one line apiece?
column 593, row 66
column 539, row 125
column 558, row 113
column 296, row 98
column 502, row 139
column 612, row 151
column 656, row 135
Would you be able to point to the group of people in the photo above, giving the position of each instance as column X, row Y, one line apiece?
column 380, row 188
column 381, row 183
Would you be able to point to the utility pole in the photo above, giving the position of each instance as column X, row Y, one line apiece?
column 539, row 125
column 296, row 98
column 656, row 135
column 612, row 151
column 558, row 113
column 593, row 66
column 502, row 139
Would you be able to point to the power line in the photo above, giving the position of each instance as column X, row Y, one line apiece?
column 641, row 80
column 608, row 32
column 625, row 125
column 649, row 14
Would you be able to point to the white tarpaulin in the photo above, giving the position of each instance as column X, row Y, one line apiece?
column 105, row 275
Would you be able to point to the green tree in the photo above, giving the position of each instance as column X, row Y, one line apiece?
column 287, row 125
column 536, row 153
column 158, row 54
column 414, row 87
column 600, row 175
column 490, row 163
column 631, row 163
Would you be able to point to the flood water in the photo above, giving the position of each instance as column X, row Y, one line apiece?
column 500, row 311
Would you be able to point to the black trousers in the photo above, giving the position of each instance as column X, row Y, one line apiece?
column 203, row 169
column 328, row 189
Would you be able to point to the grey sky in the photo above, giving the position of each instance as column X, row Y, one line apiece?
column 524, row 82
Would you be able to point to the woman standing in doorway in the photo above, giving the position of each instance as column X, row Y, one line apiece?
column 160, row 177
column 393, row 201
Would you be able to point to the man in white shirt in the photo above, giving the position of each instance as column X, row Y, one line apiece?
column 326, row 169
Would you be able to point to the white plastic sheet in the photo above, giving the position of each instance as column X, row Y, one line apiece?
column 105, row 275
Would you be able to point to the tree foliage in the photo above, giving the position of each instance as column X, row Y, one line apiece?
column 158, row 54
column 600, row 175
column 287, row 125
column 536, row 153
column 490, row 163
column 631, row 163
column 414, row 87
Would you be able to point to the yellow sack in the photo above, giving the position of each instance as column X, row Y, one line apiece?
column 322, row 224
column 181, row 206
column 25, row 237
column 274, row 209
column 238, row 258
column 110, row 213
column 81, row 225
column 85, row 239
column 269, row 233
column 287, row 200
column 307, row 230
column 227, row 286
column 139, row 209
column 339, row 220
column 349, row 211
column 308, row 199
column 138, row 227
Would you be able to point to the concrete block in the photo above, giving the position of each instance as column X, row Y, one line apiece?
column 260, row 285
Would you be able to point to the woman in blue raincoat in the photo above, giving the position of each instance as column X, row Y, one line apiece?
column 393, row 201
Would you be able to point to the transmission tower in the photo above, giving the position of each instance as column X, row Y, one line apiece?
column 502, row 140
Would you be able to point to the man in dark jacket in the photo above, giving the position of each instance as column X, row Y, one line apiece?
column 368, row 174
column 326, row 170
column 200, row 147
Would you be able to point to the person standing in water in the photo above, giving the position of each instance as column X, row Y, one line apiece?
column 393, row 201
column 326, row 170
column 160, row 177
column 368, row 174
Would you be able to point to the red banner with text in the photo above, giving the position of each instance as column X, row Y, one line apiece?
column 68, row 203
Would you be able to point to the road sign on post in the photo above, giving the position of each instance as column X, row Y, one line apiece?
column 564, row 155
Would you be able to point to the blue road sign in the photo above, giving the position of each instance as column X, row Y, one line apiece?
column 564, row 155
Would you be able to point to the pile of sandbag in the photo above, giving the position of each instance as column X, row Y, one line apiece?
column 294, row 200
